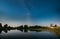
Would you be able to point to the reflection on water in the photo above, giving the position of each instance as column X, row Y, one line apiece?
column 27, row 34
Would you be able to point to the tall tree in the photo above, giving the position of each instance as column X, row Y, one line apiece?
column 0, row 25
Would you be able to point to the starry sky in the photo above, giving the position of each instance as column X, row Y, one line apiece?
column 31, row 12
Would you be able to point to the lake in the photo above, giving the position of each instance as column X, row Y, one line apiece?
column 18, row 34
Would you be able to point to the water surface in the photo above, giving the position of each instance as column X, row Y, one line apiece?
column 17, row 34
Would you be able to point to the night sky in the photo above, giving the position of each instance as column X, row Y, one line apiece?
column 31, row 12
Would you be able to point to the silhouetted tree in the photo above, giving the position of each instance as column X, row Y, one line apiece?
column 0, row 25
column 55, row 25
column 21, row 27
column 25, row 26
column 36, row 26
column 6, row 25
column 9, row 27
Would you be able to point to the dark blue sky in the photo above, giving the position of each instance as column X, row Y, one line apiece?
column 41, row 12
